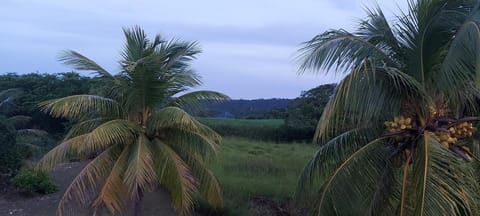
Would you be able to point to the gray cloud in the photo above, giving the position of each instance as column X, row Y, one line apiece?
column 248, row 46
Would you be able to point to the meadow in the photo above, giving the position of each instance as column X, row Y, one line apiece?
column 249, row 170
column 256, row 129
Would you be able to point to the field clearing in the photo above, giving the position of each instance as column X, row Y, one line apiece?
column 255, row 129
column 243, row 122
column 247, row 169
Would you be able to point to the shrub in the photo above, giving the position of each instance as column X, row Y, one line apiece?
column 34, row 180
column 10, row 158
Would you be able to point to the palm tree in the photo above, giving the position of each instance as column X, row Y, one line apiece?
column 140, row 138
column 397, row 136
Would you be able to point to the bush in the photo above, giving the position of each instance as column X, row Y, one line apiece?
column 10, row 158
column 34, row 180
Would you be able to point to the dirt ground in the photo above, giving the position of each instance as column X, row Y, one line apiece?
column 15, row 204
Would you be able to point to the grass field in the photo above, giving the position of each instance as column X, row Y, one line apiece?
column 242, row 122
column 247, row 169
column 256, row 129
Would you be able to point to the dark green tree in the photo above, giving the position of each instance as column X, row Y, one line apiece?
column 305, row 111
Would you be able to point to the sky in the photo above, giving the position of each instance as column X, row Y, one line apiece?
column 249, row 47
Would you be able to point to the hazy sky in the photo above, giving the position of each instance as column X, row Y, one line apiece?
column 249, row 46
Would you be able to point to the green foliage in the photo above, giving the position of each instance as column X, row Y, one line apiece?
column 303, row 113
column 423, row 66
column 248, row 169
column 34, row 180
column 35, row 88
column 10, row 156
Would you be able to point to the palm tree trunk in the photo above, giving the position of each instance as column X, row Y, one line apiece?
column 137, row 208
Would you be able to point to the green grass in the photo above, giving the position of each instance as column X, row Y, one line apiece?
column 257, row 129
column 242, row 122
column 250, row 168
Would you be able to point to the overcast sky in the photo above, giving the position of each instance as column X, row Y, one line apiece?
column 249, row 46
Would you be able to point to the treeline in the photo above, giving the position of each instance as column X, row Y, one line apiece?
column 294, row 123
column 35, row 88
column 299, row 116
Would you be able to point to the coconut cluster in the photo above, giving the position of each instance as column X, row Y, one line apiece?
column 399, row 123
column 462, row 130
column 445, row 139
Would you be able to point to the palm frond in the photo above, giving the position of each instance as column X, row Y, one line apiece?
column 208, row 186
column 77, row 106
column 140, row 174
column 339, row 50
column 175, row 175
column 191, row 143
column 80, row 62
column 174, row 117
column 113, row 192
column 443, row 182
column 114, row 132
column 82, row 187
column 196, row 100
column 135, row 45
column 370, row 159
column 368, row 95
column 84, row 127
column 460, row 67
column 60, row 153
column 331, row 155
column 179, row 53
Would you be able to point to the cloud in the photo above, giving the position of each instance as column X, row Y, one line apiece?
column 248, row 46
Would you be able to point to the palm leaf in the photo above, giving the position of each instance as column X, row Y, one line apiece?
column 80, row 62
column 114, row 132
column 113, row 192
column 77, row 106
column 86, row 181
column 140, row 174
column 176, row 118
column 337, row 187
column 84, row 127
column 443, row 182
column 174, row 174
column 195, row 100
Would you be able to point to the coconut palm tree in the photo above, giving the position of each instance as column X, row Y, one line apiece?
column 397, row 137
column 139, row 136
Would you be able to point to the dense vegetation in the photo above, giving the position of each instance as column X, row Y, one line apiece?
column 397, row 136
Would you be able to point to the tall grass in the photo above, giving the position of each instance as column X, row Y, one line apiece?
column 247, row 169
column 257, row 129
